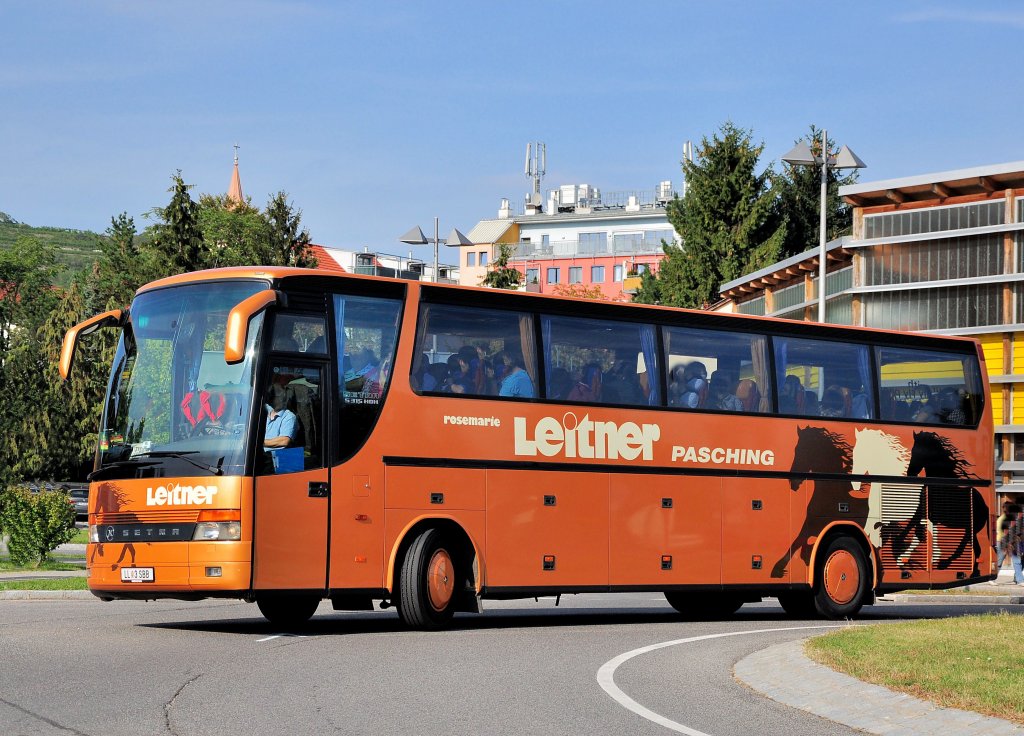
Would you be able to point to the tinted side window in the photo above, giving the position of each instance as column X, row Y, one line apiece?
column 725, row 371
column 300, row 333
column 930, row 387
column 600, row 361
column 365, row 329
column 475, row 352
column 825, row 379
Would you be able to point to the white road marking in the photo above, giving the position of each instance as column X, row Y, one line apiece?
column 606, row 674
column 279, row 636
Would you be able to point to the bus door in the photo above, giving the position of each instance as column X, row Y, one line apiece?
column 292, row 487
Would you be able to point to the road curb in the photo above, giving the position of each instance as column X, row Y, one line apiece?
column 47, row 595
column 980, row 600
column 785, row 674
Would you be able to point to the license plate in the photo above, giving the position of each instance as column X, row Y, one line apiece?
column 137, row 575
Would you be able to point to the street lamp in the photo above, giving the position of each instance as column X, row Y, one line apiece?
column 801, row 155
column 416, row 237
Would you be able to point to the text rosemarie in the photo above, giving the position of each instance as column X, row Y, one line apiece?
column 590, row 439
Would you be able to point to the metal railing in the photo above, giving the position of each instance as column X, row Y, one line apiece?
column 576, row 249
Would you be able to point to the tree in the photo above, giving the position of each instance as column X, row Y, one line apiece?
column 799, row 190
column 237, row 234
column 287, row 244
column 501, row 275
column 120, row 269
column 177, row 235
column 728, row 221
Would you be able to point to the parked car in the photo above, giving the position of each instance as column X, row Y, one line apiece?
column 80, row 499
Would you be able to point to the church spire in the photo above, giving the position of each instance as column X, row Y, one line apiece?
column 235, row 190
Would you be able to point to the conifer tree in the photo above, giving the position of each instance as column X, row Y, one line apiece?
column 288, row 244
column 177, row 235
column 728, row 221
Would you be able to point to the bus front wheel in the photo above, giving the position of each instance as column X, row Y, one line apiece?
column 842, row 580
column 288, row 611
column 426, row 591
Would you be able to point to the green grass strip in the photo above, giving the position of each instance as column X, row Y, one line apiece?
column 970, row 662
column 52, row 564
column 46, row 584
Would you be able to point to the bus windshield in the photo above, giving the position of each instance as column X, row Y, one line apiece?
column 174, row 406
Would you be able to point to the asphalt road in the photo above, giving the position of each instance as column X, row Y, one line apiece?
column 524, row 667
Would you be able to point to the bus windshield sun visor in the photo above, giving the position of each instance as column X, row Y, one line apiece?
column 236, row 333
column 113, row 318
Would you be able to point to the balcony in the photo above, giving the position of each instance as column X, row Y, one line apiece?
column 391, row 273
column 525, row 251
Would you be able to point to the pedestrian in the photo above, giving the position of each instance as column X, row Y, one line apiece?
column 1015, row 545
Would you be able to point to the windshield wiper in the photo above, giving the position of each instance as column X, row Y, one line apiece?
column 109, row 470
column 214, row 469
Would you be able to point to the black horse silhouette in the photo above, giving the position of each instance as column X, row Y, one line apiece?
column 945, row 505
column 819, row 451
column 110, row 499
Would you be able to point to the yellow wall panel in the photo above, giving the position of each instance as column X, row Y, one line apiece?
column 1018, row 404
column 997, row 404
column 1018, row 353
column 992, row 347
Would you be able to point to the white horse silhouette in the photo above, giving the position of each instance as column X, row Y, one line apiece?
column 878, row 453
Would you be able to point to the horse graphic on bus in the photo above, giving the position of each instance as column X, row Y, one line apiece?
column 896, row 517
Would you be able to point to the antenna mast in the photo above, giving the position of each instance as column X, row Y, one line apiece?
column 536, row 167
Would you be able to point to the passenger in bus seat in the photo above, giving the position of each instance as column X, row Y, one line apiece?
column 791, row 396
column 588, row 387
column 722, row 392
column 622, row 384
column 689, row 385
column 749, row 394
column 559, row 384
column 517, row 381
column 832, row 403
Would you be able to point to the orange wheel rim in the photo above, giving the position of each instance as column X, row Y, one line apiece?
column 841, row 576
column 440, row 580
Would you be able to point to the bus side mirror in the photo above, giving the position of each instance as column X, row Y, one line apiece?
column 237, row 332
column 113, row 318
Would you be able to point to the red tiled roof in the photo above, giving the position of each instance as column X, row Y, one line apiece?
column 324, row 260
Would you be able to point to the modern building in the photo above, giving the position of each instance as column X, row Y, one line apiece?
column 579, row 236
column 382, row 264
column 941, row 253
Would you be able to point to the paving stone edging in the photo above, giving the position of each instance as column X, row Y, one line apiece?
column 47, row 595
column 785, row 674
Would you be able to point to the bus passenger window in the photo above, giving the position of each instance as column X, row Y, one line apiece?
column 824, row 379
column 299, row 333
column 465, row 351
column 716, row 370
column 599, row 361
column 929, row 387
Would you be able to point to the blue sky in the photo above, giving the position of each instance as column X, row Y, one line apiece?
column 375, row 117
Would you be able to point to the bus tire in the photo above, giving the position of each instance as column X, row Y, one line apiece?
column 798, row 604
column 842, row 584
column 696, row 605
column 288, row 611
column 427, row 588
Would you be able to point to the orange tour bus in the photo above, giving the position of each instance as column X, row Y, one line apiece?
column 285, row 436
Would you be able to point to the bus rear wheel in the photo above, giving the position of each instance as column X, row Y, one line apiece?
column 696, row 605
column 288, row 611
column 842, row 579
column 427, row 587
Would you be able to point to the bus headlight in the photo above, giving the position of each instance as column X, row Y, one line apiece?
column 94, row 534
column 207, row 531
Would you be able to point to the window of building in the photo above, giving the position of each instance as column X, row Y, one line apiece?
column 470, row 259
column 600, row 361
column 545, row 241
column 474, row 352
column 824, row 379
column 552, row 276
column 597, row 274
column 483, row 258
column 724, row 371
column 533, row 275
column 628, row 243
column 593, row 243
column 642, row 268
column 929, row 387
column 617, row 274
column 653, row 238
column 575, row 274
column 935, row 219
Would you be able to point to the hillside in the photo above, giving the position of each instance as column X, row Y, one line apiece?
column 76, row 249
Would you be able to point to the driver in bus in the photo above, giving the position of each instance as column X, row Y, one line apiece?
column 282, row 426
